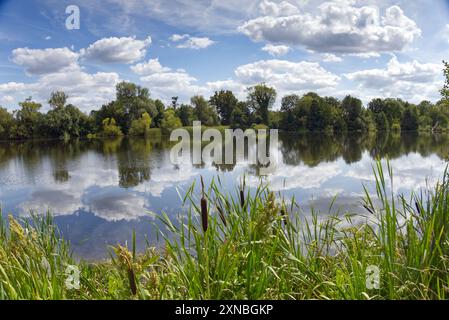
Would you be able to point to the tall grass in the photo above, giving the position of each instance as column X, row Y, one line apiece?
column 255, row 245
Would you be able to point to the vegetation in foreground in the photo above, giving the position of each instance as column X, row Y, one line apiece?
column 252, row 246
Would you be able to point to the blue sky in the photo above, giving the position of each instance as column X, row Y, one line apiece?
column 181, row 48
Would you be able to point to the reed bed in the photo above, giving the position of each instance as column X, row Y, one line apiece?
column 252, row 245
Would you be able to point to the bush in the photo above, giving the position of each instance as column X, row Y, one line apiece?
column 141, row 127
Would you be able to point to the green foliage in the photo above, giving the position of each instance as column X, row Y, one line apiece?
column 445, row 90
column 352, row 108
column 110, row 128
column 141, row 127
column 204, row 112
column 261, row 98
column 170, row 121
column 241, row 116
column 186, row 114
column 410, row 118
column 224, row 102
column 7, row 124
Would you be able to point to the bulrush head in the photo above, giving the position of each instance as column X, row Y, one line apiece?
column 204, row 213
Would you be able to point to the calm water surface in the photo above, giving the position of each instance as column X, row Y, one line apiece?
column 99, row 191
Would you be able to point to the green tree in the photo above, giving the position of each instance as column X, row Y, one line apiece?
column 319, row 118
column 203, row 111
column 141, row 127
column 410, row 119
column 58, row 99
column 110, row 128
column 241, row 117
column 186, row 113
column 7, row 124
column 29, row 119
column 261, row 98
column 170, row 121
column 445, row 90
column 224, row 102
column 352, row 108
column 288, row 105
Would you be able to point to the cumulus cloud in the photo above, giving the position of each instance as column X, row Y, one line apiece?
column 329, row 57
column 276, row 51
column 287, row 75
column 339, row 27
column 85, row 90
column 150, row 67
column 165, row 82
column 117, row 50
column 411, row 80
column 186, row 41
column 44, row 61
column 281, row 9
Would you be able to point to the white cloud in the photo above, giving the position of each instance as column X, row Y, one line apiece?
column 85, row 90
column 340, row 27
column 281, row 9
column 117, row 50
column 287, row 75
column 150, row 67
column 411, row 80
column 7, row 100
column 329, row 57
column 276, row 51
column 165, row 82
column 187, row 42
column 44, row 61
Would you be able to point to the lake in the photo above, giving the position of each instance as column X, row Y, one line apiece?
column 101, row 190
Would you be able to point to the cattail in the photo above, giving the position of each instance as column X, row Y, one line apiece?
column 242, row 198
column 132, row 281
column 125, row 259
column 221, row 213
column 284, row 215
column 204, row 214
column 418, row 208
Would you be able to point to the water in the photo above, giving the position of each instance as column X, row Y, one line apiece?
column 99, row 191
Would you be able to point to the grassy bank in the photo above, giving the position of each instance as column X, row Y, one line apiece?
column 242, row 246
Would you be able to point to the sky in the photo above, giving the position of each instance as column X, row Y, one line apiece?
column 183, row 48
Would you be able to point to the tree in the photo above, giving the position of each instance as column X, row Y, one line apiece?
column 132, row 101
column 381, row 121
column 203, row 111
column 29, row 119
column 141, row 127
column 320, row 116
column 288, row 105
column 160, row 107
column 7, row 124
column 170, row 121
column 224, row 102
column 410, row 119
column 445, row 90
column 241, row 116
column 65, row 122
column 261, row 98
column 110, row 128
column 352, row 108
column 58, row 99
column 186, row 114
